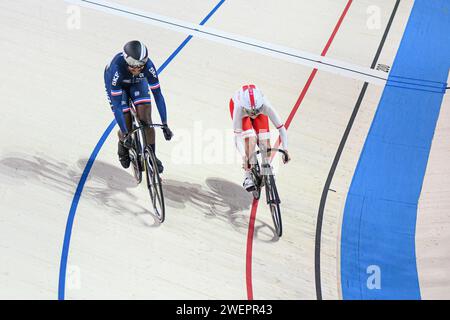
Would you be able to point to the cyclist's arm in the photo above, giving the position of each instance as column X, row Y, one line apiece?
column 154, row 86
column 276, row 120
column 116, row 99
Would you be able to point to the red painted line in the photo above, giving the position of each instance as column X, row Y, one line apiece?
column 251, row 229
column 251, row 225
column 336, row 28
column 300, row 99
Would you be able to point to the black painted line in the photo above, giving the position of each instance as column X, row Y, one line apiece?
column 337, row 157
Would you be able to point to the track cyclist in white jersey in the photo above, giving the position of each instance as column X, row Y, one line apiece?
column 251, row 111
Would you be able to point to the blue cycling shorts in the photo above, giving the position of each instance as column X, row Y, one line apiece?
column 139, row 93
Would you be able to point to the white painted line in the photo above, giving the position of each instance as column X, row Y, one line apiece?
column 280, row 52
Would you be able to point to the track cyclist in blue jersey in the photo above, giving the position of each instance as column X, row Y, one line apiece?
column 132, row 75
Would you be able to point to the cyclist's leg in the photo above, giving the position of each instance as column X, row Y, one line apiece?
column 122, row 151
column 261, row 126
column 120, row 110
column 145, row 116
column 144, row 113
column 249, row 137
column 127, row 116
column 122, row 147
column 140, row 94
column 250, row 146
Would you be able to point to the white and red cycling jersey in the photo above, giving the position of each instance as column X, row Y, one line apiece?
column 245, row 126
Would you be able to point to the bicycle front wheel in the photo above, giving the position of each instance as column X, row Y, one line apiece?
column 154, row 184
column 273, row 200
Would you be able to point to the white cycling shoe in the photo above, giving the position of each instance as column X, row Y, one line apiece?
column 248, row 184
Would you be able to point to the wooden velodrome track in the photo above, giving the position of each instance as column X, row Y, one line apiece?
column 74, row 224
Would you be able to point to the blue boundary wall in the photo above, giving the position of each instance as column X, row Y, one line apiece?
column 378, row 259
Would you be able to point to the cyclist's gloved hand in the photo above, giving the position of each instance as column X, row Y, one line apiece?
column 286, row 157
column 167, row 132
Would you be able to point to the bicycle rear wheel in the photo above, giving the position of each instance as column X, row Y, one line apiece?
column 154, row 184
column 273, row 200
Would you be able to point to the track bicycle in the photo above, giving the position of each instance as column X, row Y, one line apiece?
column 263, row 176
column 143, row 160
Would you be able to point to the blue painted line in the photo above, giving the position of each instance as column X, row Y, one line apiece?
column 209, row 15
column 185, row 42
column 174, row 54
column 380, row 214
column 87, row 169
column 73, row 209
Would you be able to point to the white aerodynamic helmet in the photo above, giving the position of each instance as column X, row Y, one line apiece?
column 252, row 99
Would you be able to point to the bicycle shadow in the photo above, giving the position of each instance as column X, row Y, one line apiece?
column 224, row 200
column 111, row 186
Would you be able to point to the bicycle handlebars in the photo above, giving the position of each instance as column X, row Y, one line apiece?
column 268, row 150
column 153, row 125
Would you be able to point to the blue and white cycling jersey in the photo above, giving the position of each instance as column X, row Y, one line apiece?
column 121, row 84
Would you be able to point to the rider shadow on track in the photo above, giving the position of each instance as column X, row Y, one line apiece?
column 110, row 186
column 106, row 185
